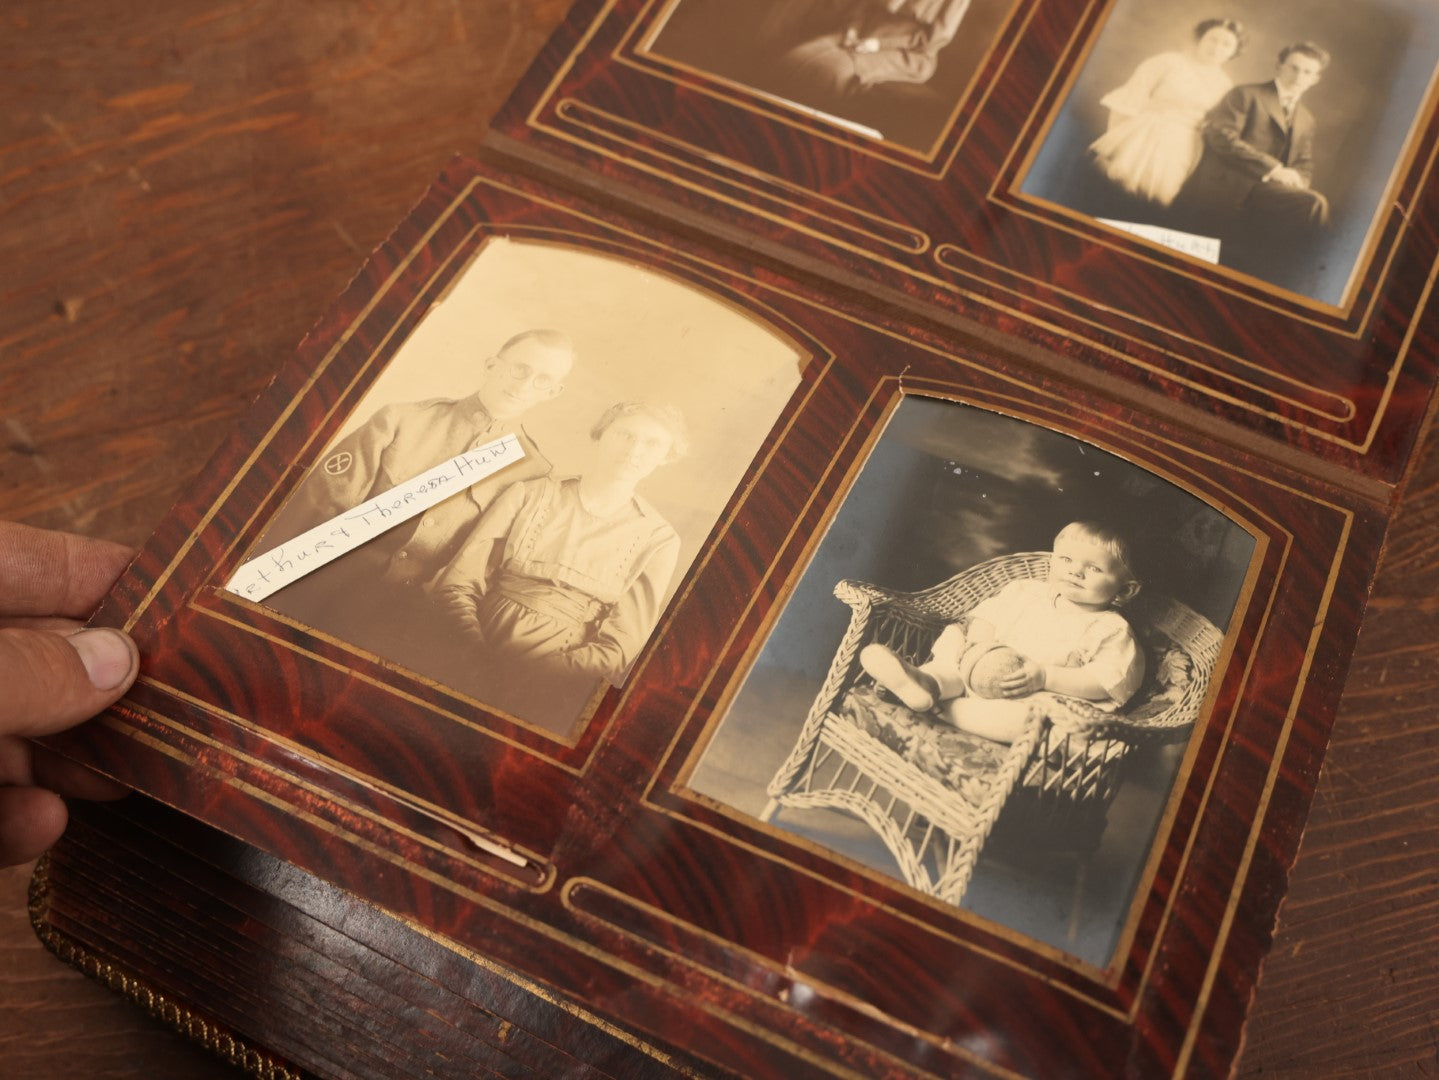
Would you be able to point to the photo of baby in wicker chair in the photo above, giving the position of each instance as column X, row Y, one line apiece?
column 1064, row 635
column 997, row 710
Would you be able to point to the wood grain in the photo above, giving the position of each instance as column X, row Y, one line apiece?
column 1350, row 987
column 184, row 187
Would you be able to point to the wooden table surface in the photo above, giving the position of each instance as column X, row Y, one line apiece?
column 186, row 184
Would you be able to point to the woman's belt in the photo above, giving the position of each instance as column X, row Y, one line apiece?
column 550, row 598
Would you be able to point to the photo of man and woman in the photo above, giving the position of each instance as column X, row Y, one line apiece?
column 638, row 402
column 1258, row 136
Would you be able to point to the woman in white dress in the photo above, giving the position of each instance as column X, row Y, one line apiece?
column 561, row 581
column 1153, row 141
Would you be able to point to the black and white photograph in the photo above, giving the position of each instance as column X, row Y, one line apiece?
column 985, row 680
column 1258, row 135
column 891, row 70
column 638, row 402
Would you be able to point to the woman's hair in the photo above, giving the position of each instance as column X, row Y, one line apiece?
column 1234, row 26
column 1110, row 539
column 670, row 418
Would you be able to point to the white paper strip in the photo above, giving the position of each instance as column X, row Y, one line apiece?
column 292, row 560
column 1201, row 247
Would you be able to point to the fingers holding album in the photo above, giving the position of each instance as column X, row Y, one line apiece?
column 48, row 574
column 53, row 673
column 31, row 820
column 34, row 784
column 52, row 681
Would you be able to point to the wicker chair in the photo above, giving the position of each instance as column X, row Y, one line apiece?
column 934, row 794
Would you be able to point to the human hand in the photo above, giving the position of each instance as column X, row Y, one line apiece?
column 866, row 45
column 1026, row 679
column 1288, row 177
column 54, row 675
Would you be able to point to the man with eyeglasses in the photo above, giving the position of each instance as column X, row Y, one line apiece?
column 375, row 596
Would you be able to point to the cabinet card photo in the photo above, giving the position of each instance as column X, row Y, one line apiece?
column 891, row 70
column 621, row 406
column 985, row 679
column 1264, row 135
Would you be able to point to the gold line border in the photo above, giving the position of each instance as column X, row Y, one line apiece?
column 210, row 1035
column 546, row 876
column 1111, row 978
column 1403, row 165
column 1362, row 264
column 540, row 927
column 642, row 57
column 567, row 107
column 833, row 993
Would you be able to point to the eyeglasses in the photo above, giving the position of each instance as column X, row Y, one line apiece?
column 523, row 373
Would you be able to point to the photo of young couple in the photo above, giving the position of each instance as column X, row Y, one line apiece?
column 638, row 402
column 1261, row 136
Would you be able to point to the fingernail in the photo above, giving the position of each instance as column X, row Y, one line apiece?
column 106, row 656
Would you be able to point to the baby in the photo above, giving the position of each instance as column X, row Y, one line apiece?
column 1062, row 634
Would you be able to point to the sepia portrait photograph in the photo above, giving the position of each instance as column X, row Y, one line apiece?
column 891, row 70
column 1258, row 135
column 985, row 680
column 625, row 405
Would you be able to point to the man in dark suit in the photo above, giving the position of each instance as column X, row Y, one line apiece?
column 1253, row 182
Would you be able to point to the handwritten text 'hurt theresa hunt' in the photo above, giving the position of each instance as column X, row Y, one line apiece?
column 292, row 560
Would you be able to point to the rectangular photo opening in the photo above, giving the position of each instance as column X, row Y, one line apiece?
column 1262, row 136
column 984, row 682
column 891, row 70
column 509, row 508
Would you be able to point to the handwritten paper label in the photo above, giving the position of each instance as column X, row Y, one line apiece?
column 1201, row 247
column 266, row 574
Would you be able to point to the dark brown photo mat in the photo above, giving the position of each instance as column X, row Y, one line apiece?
column 590, row 865
column 963, row 240
column 954, row 506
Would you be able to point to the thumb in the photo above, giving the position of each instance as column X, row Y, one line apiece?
column 50, row 681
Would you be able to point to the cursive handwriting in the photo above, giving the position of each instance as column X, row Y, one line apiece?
column 292, row 560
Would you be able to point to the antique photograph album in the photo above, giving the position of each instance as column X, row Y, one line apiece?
column 833, row 545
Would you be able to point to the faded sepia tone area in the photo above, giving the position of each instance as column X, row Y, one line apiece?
column 1268, row 130
column 639, row 402
column 889, row 69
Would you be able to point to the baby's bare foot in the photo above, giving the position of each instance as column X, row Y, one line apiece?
column 902, row 679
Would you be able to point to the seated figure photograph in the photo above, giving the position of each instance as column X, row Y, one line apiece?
column 518, row 585
column 560, row 582
column 377, row 597
column 1254, row 185
column 984, row 680
column 1261, row 137
column 1153, row 142
column 892, row 70
column 1065, row 634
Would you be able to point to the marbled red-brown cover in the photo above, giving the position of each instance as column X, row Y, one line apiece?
column 643, row 902
column 949, row 238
